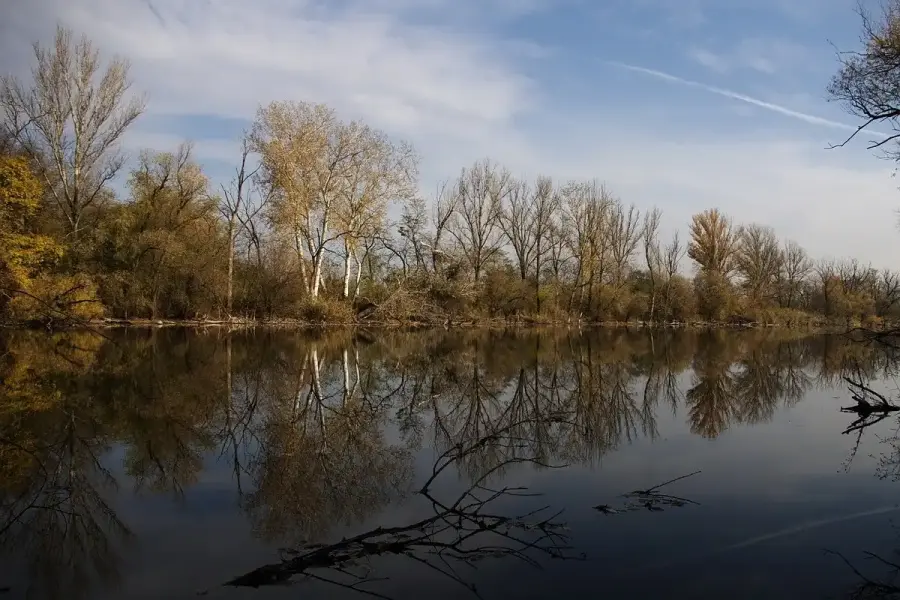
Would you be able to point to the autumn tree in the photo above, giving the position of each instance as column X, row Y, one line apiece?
column 23, row 253
column 70, row 119
column 161, row 249
column 714, row 241
column 304, row 150
column 377, row 172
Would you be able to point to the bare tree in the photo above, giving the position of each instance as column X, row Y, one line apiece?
column 481, row 191
column 445, row 203
column 625, row 235
column 758, row 260
column 517, row 222
column 653, row 255
column 826, row 273
column 231, row 204
column 546, row 204
column 888, row 291
column 795, row 268
column 866, row 83
column 587, row 208
column 672, row 256
column 70, row 121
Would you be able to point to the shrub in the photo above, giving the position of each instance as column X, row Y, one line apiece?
column 57, row 298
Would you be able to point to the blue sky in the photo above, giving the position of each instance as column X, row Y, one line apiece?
column 571, row 88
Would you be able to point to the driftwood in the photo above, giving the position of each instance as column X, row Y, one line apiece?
column 871, row 407
column 650, row 499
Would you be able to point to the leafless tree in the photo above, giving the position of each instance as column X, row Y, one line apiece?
column 653, row 255
column 482, row 190
column 546, row 204
column 672, row 256
column 888, row 291
column 866, row 83
column 446, row 201
column 517, row 222
column 758, row 260
column 230, row 206
column 795, row 268
column 70, row 120
column 625, row 235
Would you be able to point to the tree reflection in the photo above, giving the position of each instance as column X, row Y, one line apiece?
column 320, row 430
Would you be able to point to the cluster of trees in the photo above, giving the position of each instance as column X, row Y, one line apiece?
column 323, row 221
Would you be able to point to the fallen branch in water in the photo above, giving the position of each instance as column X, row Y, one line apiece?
column 649, row 499
column 863, row 394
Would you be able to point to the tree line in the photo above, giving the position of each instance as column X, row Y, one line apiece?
column 324, row 221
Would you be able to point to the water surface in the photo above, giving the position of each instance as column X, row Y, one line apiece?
column 270, row 464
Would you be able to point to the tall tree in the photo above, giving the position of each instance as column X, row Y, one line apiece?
column 232, row 202
column 305, row 152
column 795, row 269
column 70, row 120
column 481, row 191
column 546, row 205
column 517, row 222
column 653, row 255
column 378, row 172
column 713, row 242
column 758, row 260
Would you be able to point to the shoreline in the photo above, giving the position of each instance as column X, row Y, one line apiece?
column 824, row 327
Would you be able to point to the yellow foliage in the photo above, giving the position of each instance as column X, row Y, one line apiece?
column 20, row 190
column 23, row 254
column 50, row 296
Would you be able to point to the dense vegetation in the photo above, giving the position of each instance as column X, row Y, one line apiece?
column 323, row 221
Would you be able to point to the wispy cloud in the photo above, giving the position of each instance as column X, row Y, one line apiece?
column 776, row 108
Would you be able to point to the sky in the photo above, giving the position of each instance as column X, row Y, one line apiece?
column 681, row 104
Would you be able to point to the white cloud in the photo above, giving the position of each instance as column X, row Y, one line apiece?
column 459, row 94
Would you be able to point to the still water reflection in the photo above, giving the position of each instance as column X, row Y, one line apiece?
column 171, row 463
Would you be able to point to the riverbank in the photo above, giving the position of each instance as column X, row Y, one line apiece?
column 810, row 325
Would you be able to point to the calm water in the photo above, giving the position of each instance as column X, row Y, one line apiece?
column 173, row 463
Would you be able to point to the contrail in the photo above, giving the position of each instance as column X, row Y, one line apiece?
column 783, row 110
column 703, row 555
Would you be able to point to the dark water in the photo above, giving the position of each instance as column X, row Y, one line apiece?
column 437, row 464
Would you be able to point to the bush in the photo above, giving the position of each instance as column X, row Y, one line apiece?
column 57, row 298
column 321, row 311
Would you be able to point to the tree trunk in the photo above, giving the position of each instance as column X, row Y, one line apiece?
column 230, row 285
column 359, row 274
column 317, row 275
column 346, row 293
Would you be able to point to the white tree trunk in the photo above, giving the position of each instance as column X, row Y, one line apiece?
column 317, row 276
column 347, row 255
column 358, row 274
